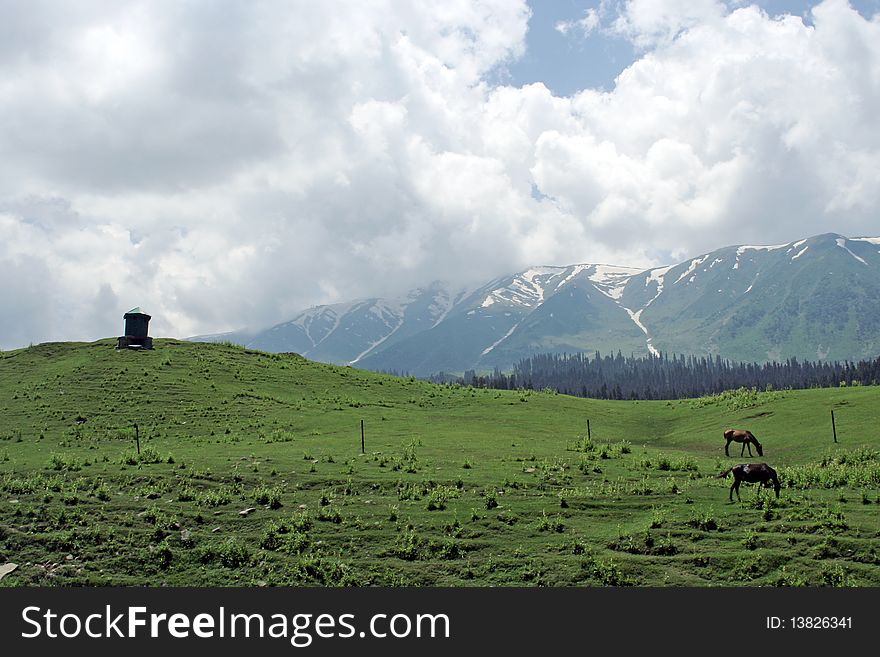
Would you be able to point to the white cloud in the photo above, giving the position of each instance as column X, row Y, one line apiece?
column 222, row 164
column 589, row 23
column 651, row 23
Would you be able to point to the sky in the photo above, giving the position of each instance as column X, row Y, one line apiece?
column 224, row 165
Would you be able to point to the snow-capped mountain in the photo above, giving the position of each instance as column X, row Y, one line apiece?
column 817, row 298
column 348, row 332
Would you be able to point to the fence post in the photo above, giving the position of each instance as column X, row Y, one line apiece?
column 363, row 448
column 137, row 438
column 833, row 426
column 589, row 434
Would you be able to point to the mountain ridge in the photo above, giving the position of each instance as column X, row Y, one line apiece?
column 816, row 298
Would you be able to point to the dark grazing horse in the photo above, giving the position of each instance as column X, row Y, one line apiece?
column 752, row 473
column 743, row 436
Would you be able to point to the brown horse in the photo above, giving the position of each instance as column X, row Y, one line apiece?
column 752, row 473
column 742, row 436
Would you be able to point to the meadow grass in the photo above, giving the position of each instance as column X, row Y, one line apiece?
column 250, row 472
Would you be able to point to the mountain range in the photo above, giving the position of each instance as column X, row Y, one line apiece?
column 816, row 298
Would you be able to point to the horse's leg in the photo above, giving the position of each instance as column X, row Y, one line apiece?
column 726, row 446
column 743, row 450
column 749, row 445
column 735, row 487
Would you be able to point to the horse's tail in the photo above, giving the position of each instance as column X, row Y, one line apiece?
column 725, row 473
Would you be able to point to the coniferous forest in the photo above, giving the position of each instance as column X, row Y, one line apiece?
column 667, row 377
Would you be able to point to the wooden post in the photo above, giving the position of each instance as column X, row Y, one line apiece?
column 589, row 435
column 137, row 438
column 833, row 426
column 362, row 438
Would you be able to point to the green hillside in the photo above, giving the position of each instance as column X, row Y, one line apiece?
column 458, row 486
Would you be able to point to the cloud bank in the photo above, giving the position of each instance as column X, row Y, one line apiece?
column 226, row 164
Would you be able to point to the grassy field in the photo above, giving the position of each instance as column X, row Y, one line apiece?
column 250, row 473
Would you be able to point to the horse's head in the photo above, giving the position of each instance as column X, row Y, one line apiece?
column 759, row 448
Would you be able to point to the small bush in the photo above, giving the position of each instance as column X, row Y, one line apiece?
column 229, row 553
column 547, row 523
column 161, row 555
column 704, row 521
column 281, row 536
column 268, row 496
column 329, row 514
column 65, row 462
column 214, row 498
column 187, row 494
column 439, row 495
column 102, row 492
column 409, row 546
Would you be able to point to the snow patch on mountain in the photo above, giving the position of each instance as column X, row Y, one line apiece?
column 841, row 242
column 332, row 313
column 696, row 262
column 742, row 249
column 577, row 269
column 636, row 318
column 657, row 276
column 800, row 253
column 611, row 280
column 375, row 344
column 388, row 308
column 526, row 289
column 442, row 303
column 499, row 341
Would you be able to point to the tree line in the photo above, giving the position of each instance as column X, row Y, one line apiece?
column 666, row 377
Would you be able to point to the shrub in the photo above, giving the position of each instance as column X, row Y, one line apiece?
column 148, row 455
column 409, row 546
column 547, row 523
column 836, row 575
column 283, row 537
column 439, row 495
column 102, row 492
column 229, row 553
column 605, row 573
column 186, row 494
column 161, row 555
column 704, row 521
column 266, row 495
column 329, row 514
column 657, row 518
column 326, row 572
column 214, row 498
column 583, row 444
column 65, row 462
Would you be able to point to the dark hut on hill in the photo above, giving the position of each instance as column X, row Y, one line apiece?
column 137, row 325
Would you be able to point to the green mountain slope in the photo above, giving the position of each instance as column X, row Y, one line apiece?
column 813, row 299
column 251, row 472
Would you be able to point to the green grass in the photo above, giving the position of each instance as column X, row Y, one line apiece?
column 250, row 473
